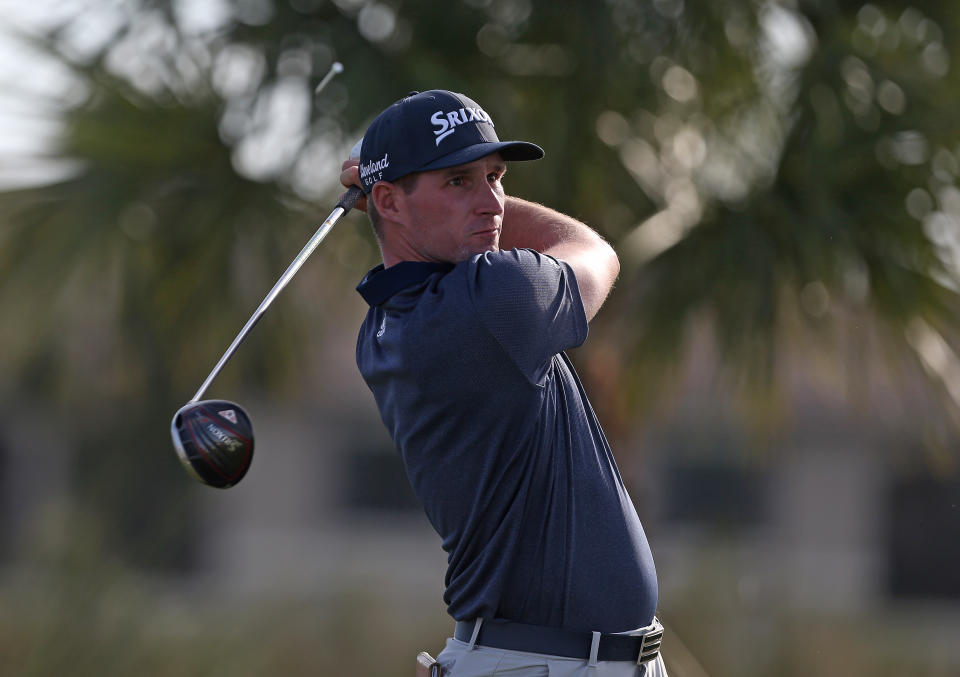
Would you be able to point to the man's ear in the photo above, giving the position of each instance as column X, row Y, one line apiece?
column 387, row 197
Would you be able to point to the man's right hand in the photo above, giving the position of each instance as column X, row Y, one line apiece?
column 350, row 177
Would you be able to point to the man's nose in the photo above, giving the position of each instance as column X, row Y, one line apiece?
column 491, row 199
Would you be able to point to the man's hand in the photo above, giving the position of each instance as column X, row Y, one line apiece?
column 350, row 177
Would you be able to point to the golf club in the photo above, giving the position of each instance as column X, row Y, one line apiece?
column 214, row 438
column 335, row 68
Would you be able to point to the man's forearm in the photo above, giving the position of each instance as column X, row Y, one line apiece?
column 533, row 226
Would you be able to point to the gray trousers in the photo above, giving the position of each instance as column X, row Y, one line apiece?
column 458, row 659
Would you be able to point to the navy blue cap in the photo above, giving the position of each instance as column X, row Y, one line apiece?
column 432, row 130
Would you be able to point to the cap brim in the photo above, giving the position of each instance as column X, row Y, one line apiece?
column 512, row 151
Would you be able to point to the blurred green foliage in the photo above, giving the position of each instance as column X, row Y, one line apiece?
column 755, row 162
column 93, row 619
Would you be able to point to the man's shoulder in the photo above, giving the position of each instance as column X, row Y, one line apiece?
column 529, row 301
column 511, row 259
column 513, row 271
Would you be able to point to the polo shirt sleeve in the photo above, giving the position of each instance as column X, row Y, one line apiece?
column 531, row 305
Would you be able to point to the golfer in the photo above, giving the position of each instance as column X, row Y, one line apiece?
column 479, row 294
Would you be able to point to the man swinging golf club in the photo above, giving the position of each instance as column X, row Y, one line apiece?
column 479, row 294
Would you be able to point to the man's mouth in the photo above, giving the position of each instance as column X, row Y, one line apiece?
column 486, row 232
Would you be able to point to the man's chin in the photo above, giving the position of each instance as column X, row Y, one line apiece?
column 470, row 252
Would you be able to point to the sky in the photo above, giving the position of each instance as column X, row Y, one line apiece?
column 27, row 83
column 31, row 87
column 30, row 83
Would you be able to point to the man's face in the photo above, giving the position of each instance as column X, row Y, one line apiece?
column 456, row 212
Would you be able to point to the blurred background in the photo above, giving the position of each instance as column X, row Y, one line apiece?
column 777, row 368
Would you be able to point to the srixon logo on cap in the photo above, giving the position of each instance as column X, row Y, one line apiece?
column 448, row 122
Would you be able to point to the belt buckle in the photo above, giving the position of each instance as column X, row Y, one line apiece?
column 650, row 644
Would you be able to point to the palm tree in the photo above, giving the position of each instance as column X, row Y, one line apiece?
column 805, row 192
column 779, row 176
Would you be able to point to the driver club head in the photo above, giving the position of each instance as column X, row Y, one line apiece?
column 214, row 441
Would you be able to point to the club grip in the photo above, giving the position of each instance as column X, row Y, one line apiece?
column 349, row 199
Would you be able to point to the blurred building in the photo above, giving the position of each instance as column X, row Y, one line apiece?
column 846, row 516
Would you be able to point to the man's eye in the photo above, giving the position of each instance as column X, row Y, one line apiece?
column 456, row 181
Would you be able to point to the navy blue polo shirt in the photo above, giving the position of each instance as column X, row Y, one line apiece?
column 500, row 443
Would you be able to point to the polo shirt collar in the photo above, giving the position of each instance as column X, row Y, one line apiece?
column 381, row 283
